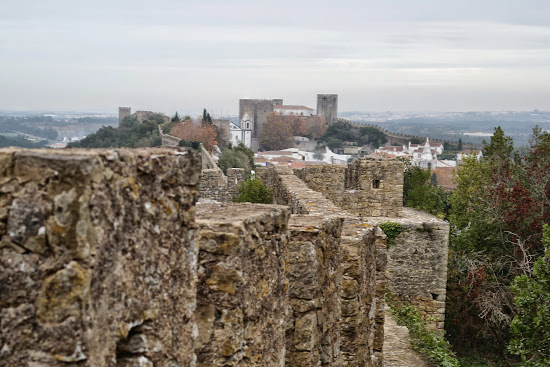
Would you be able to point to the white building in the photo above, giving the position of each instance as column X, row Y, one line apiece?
column 328, row 156
column 421, row 155
column 466, row 153
column 287, row 110
column 397, row 151
column 241, row 133
column 425, row 156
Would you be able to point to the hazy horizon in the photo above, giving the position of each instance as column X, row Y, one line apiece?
column 167, row 56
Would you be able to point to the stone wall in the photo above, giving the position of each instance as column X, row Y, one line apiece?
column 366, row 187
column 289, row 190
column 214, row 185
column 358, row 263
column 314, row 276
column 97, row 257
column 380, row 182
column 363, row 290
column 242, row 287
column 168, row 140
column 417, row 263
column 103, row 263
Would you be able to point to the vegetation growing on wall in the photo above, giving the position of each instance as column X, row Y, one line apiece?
column 392, row 231
column 433, row 346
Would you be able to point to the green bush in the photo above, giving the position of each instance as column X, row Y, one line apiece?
column 196, row 145
column 254, row 191
column 531, row 326
column 434, row 347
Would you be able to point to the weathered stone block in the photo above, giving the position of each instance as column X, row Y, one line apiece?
column 98, row 263
column 242, row 285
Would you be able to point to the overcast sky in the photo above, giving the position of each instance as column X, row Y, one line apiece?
column 377, row 55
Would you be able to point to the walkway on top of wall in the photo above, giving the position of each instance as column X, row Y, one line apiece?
column 398, row 351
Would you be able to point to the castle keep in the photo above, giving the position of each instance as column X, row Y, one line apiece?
column 327, row 107
column 108, row 260
column 257, row 111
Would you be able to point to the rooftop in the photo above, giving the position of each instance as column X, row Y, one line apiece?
column 291, row 107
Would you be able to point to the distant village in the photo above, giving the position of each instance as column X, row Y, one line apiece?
column 253, row 119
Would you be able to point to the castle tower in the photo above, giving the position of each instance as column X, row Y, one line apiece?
column 257, row 110
column 123, row 112
column 327, row 107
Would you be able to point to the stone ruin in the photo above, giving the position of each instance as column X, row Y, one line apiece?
column 107, row 260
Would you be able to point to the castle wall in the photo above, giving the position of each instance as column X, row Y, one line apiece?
column 168, row 140
column 105, row 261
column 97, row 257
column 242, row 284
column 360, row 275
column 366, row 187
column 379, row 181
column 214, row 185
column 314, row 284
column 417, row 263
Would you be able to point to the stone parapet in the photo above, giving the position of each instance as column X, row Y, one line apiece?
column 366, row 187
column 97, row 257
column 417, row 263
column 289, row 190
column 314, row 275
column 214, row 185
column 359, row 261
column 362, row 297
column 242, row 286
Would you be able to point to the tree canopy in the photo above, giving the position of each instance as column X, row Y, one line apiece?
column 130, row 133
column 189, row 131
column 238, row 156
column 276, row 134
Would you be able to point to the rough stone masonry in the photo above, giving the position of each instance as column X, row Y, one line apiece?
column 97, row 257
column 106, row 261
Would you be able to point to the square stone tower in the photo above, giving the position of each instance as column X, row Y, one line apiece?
column 124, row 112
column 378, row 185
column 327, row 107
column 257, row 110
